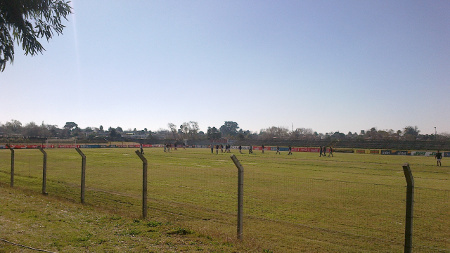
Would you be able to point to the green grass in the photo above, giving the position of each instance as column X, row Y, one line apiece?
column 298, row 203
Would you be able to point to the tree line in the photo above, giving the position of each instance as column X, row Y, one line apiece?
column 190, row 131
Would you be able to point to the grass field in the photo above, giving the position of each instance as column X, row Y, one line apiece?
column 298, row 203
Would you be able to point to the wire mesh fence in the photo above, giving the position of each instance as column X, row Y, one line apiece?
column 298, row 203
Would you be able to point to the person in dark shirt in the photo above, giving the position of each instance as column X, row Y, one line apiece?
column 438, row 157
column 290, row 150
column 262, row 149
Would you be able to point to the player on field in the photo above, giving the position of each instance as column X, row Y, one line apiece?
column 438, row 157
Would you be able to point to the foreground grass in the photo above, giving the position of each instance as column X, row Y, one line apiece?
column 299, row 203
column 52, row 224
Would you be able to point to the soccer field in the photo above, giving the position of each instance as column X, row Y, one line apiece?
column 303, row 202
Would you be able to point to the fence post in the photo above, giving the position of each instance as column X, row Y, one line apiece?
column 12, row 166
column 240, row 196
column 44, row 172
column 409, row 207
column 144, row 184
column 83, row 174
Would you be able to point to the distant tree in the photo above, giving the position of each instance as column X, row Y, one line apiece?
column 76, row 131
column 213, row 133
column 398, row 134
column 119, row 129
column 31, row 130
column 301, row 133
column 174, row 131
column 26, row 21
column 338, row 136
column 372, row 133
column 410, row 133
column 114, row 134
column 53, row 129
column 184, row 130
column 274, row 132
column 189, row 130
column 14, row 126
column 229, row 128
column 70, row 125
column 193, row 129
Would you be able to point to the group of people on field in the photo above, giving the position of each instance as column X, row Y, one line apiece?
column 227, row 148
column 323, row 151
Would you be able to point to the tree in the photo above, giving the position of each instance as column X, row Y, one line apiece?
column 14, row 126
column 410, row 133
column 173, row 129
column 26, row 21
column 274, row 132
column 113, row 133
column 301, row 133
column 70, row 125
column 31, row 130
column 229, row 128
column 213, row 133
column 189, row 130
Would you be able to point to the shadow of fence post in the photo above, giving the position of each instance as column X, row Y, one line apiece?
column 409, row 208
column 83, row 173
column 44, row 172
column 240, row 213
column 144, row 184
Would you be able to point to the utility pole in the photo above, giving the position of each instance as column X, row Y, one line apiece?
column 435, row 134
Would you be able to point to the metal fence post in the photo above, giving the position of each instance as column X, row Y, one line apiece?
column 240, row 196
column 83, row 174
column 44, row 172
column 409, row 208
column 144, row 184
column 12, row 166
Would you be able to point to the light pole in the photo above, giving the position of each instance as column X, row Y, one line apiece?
column 435, row 134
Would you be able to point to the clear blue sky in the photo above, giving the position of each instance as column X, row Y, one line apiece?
column 326, row 65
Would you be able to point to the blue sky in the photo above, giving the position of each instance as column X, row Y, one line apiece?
column 326, row 65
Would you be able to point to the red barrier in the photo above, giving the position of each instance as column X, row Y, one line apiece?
column 314, row 150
